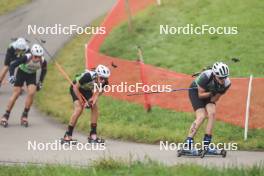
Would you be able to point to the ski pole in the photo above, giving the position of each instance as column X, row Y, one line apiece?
column 157, row 92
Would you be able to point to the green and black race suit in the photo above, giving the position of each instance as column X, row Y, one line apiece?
column 206, row 81
column 87, row 81
column 29, row 67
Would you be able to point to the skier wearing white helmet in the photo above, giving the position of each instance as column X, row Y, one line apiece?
column 206, row 90
column 85, row 94
column 28, row 66
column 16, row 50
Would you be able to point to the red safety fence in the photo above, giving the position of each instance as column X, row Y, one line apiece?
column 230, row 108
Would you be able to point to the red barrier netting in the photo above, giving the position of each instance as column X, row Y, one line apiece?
column 231, row 107
column 256, row 119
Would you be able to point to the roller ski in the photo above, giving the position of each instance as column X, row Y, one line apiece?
column 207, row 151
column 188, row 149
column 68, row 140
column 24, row 120
column 189, row 152
column 213, row 152
column 93, row 139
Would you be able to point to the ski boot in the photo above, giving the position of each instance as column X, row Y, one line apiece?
column 24, row 120
column 188, row 149
column 68, row 140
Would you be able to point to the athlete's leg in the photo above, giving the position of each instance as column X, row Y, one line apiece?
column 11, row 102
column 78, row 109
column 200, row 116
column 30, row 95
column 3, row 74
column 76, row 113
column 31, row 90
column 211, row 109
column 94, row 118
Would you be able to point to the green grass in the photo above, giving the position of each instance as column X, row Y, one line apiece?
column 9, row 5
column 190, row 53
column 120, row 168
column 123, row 120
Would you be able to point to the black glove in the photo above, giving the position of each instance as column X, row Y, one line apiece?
column 213, row 92
column 87, row 106
column 39, row 86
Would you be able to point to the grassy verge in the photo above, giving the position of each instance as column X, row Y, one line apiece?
column 190, row 53
column 123, row 120
column 9, row 5
column 112, row 167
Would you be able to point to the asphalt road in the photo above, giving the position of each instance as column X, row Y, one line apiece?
column 15, row 139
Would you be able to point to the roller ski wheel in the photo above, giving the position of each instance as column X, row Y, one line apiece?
column 4, row 123
column 24, row 122
column 96, row 141
column 208, row 152
column 223, row 153
column 203, row 153
column 179, row 153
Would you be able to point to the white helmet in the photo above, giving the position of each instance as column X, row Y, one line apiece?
column 37, row 50
column 102, row 71
column 220, row 69
column 21, row 44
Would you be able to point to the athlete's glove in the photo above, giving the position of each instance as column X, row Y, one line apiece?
column 87, row 106
column 39, row 86
column 12, row 79
column 91, row 102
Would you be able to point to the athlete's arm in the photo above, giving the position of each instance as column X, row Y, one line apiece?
column 43, row 71
column 95, row 96
column 93, row 100
column 97, row 93
column 77, row 92
column 16, row 63
column 9, row 53
column 202, row 83
column 202, row 94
